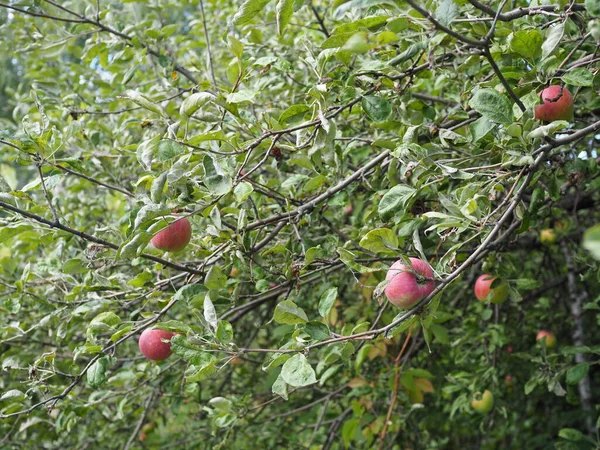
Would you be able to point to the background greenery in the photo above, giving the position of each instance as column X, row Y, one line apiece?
column 311, row 144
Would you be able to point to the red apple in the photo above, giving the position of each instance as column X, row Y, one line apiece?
column 483, row 403
column 509, row 349
column 174, row 237
column 483, row 288
column 405, row 289
column 348, row 209
column 550, row 338
column 557, row 104
column 152, row 346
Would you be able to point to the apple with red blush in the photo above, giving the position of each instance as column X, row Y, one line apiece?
column 408, row 284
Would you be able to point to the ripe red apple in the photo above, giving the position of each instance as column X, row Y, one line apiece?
column 483, row 403
column 550, row 338
column 548, row 236
column 348, row 209
column 174, row 237
column 483, row 288
column 557, row 104
column 152, row 346
column 508, row 380
column 509, row 349
column 405, row 289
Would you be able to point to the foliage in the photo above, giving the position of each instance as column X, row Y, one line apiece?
column 311, row 145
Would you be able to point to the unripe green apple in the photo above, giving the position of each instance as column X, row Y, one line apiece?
column 548, row 236
column 483, row 403
column 557, row 104
column 174, row 237
column 483, row 289
column 548, row 337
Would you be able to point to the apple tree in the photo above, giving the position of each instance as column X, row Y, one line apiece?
column 235, row 180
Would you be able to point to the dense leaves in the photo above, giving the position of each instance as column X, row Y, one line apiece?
column 311, row 145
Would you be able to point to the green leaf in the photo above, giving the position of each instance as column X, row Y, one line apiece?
column 480, row 128
column 576, row 373
column 248, row 10
column 527, row 43
column 446, row 12
column 284, row 10
column 593, row 7
column 493, row 105
column 96, row 374
column 528, row 283
column 224, row 332
column 182, row 347
column 210, row 136
column 571, row 434
column 579, row 77
column 313, row 253
column 287, row 312
column 201, row 367
column 327, row 300
column 242, row 191
column 142, row 101
column 395, row 200
column 194, row 102
column 317, row 331
column 347, row 257
column 591, row 241
column 336, row 40
column 242, row 95
column 215, row 178
column 215, row 278
column 210, row 314
column 293, row 113
column 149, row 212
column 378, row 109
column 297, row 372
column 531, row 385
column 380, row 240
column 280, row 387
column 158, row 187
column 555, row 34
column 412, row 50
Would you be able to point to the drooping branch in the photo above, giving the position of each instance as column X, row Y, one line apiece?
column 91, row 238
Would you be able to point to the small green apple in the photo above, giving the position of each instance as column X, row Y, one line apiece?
column 483, row 403
column 548, row 236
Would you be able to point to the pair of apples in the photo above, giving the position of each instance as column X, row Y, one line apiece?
column 409, row 284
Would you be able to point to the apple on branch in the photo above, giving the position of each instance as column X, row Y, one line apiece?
column 548, row 236
column 175, row 237
column 546, row 337
column 483, row 403
column 409, row 284
column 484, row 290
column 153, row 346
column 557, row 104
